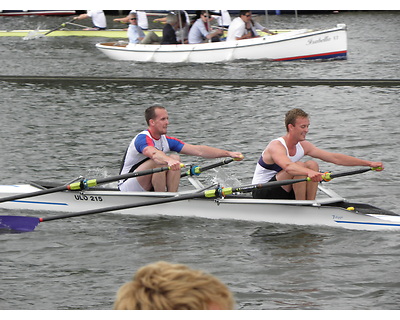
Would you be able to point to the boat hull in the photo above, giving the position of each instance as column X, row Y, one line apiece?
column 293, row 45
column 323, row 212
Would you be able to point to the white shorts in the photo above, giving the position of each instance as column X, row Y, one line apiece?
column 131, row 185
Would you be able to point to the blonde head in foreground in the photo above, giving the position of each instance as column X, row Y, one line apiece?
column 166, row 286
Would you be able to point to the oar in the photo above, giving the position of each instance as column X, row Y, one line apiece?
column 59, row 27
column 196, row 170
column 20, row 223
column 328, row 176
column 75, row 24
column 84, row 184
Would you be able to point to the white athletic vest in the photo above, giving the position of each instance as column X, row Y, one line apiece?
column 264, row 172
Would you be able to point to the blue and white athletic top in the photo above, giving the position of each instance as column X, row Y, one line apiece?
column 134, row 154
column 265, row 172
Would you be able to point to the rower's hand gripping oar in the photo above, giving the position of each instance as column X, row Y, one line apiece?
column 19, row 223
column 85, row 184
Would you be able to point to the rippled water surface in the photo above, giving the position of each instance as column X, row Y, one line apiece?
column 57, row 131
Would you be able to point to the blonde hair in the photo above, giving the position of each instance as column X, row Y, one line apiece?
column 166, row 286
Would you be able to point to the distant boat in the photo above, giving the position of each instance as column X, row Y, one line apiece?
column 300, row 44
column 37, row 12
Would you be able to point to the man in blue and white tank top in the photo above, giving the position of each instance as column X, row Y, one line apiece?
column 151, row 149
column 281, row 161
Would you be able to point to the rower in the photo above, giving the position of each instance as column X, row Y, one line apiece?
column 281, row 161
column 152, row 148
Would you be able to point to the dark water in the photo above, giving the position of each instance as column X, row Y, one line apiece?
column 60, row 131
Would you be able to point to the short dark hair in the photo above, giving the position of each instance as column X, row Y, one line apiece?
column 292, row 115
column 150, row 112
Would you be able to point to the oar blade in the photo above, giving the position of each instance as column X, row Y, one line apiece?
column 19, row 223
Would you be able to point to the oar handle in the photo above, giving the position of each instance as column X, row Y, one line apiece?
column 327, row 176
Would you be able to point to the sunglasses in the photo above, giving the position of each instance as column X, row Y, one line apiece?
column 133, row 18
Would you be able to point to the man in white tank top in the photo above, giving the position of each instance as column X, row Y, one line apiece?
column 281, row 161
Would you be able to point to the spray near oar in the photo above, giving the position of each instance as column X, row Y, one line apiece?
column 35, row 34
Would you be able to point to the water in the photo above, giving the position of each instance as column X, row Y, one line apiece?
column 58, row 131
column 373, row 52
